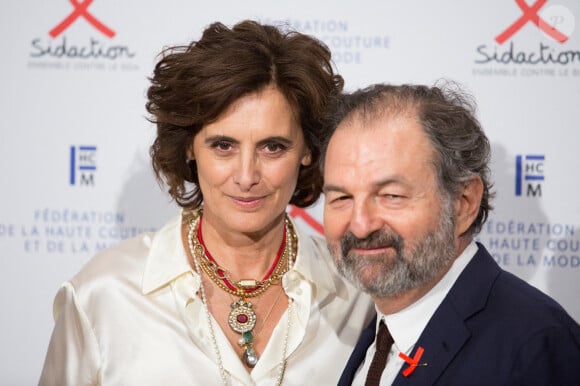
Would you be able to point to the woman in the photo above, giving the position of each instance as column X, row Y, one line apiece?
column 230, row 291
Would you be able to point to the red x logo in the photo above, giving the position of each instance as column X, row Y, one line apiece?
column 296, row 212
column 531, row 14
column 81, row 10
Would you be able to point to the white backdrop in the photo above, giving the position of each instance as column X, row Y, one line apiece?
column 74, row 149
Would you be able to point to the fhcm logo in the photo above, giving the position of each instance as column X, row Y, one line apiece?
column 529, row 175
column 83, row 165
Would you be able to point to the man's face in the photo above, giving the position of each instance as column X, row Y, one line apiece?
column 387, row 224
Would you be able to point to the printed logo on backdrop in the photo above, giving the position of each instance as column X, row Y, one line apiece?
column 516, row 243
column 348, row 46
column 71, row 231
column 535, row 43
column 532, row 244
column 67, row 231
column 83, row 165
column 82, row 39
column 529, row 175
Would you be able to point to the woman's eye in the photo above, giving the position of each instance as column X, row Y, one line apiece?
column 222, row 145
column 274, row 147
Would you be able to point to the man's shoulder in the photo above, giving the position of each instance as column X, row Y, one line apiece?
column 518, row 299
column 506, row 300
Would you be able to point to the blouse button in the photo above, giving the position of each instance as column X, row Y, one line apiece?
column 293, row 277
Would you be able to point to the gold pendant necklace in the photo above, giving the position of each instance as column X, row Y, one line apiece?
column 242, row 317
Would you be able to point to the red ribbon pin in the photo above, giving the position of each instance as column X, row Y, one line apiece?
column 413, row 362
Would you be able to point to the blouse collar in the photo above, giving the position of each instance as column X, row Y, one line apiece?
column 167, row 259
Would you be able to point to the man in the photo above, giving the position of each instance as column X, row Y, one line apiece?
column 406, row 180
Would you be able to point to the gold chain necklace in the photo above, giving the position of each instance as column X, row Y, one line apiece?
column 244, row 288
column 242, row 317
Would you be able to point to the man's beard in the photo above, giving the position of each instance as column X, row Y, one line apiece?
column 401, row 268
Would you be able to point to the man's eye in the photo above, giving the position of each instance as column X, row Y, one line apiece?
column 339, row 199
column 392, row 196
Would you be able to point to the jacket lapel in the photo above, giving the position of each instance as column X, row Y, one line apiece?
column 358, row 355
column 446, row 333
column 443, row 338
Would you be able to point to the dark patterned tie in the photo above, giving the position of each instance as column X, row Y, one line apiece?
column 383, row 346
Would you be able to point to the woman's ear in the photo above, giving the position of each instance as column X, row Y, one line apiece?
column 190, row 153
column 306, row 159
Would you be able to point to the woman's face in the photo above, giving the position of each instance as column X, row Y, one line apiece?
column 248, row 162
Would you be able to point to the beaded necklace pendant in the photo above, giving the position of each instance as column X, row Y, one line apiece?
column 242, row 319
column 242, row 316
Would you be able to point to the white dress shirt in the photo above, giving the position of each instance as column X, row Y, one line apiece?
column 407, row 325
column 131, row 316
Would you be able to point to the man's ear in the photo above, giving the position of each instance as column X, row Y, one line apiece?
column 467, row 205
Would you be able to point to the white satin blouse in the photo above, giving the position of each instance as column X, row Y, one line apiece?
column 131, row 316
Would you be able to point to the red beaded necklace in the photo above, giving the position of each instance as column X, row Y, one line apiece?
column 248, row 286
column 242, row 317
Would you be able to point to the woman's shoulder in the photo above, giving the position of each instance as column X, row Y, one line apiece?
column 124, row 261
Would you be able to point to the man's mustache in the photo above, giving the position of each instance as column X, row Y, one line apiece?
column 377, row 239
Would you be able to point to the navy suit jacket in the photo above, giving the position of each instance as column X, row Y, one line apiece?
column 492, row 328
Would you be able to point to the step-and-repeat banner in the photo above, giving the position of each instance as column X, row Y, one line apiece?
column 74, row 164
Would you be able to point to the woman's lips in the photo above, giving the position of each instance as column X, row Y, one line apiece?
column 248, row 202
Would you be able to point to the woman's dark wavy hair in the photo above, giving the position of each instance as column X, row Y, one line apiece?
column 193, row 85
column 447, row 115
